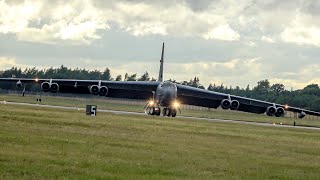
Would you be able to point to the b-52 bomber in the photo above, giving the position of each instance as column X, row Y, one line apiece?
column 162, row 96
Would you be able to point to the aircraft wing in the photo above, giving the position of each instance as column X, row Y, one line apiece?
column 211, row 99
column 145, row 90
column 120, row 89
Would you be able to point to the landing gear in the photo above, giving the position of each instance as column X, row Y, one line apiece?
column 166, row 112
column 169, row 112
column 153, row 111
column 157, row 111
column 173, row 112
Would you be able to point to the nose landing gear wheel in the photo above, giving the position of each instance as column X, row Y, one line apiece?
column 164, row 112
column 174, row 113
column 168, row 112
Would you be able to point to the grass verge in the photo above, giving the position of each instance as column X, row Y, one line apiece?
column 42, row 143
column 104, row 103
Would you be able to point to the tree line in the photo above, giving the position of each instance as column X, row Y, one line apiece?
column 308, row 97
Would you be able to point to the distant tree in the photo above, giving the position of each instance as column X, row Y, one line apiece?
column 106, row 75
column 263, row 87
column 248, row 88
column 144, row 77
column 210, row 87
column 95, row 74
column 195, row 82
column 201, row 87
column 172, row 80
column 185, row 83
column 220, row 88
column 133, row 77
column 277, row 88
column 29, row 72
column 312, row 86
column 312, row 89
column 14, row 71
column 119, row 78
column 315, row 105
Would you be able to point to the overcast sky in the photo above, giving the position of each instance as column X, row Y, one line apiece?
column 234, row 42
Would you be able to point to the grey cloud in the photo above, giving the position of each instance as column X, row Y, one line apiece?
column 311, row 7
column 200, row 5
column 275, row 4
column 117, row 48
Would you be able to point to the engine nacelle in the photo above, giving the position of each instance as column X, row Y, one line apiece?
column 103, row 91
column 94, row 89
column 225, row 104
column 45, row 86
column 271, row 111
column 54, row 87
column 19, row 84
column 301, row 115
column 234, row 105
column 279, row 112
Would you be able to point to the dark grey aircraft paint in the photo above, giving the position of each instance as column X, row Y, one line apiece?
column 166, row 93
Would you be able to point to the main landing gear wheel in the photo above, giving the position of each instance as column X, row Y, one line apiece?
column 153, row 111
column 157, row 111
column 169, row 112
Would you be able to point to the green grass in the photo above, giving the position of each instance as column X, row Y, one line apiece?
column 103, row 103
column 42, row 143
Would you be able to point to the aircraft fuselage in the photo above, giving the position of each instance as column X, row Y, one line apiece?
column 166, row 94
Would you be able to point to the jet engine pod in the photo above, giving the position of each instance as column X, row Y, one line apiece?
column 271, row 111
column 225, row 104
column 103, row 91
column 301, row 115
column 54, row 87
column 94, row 89
column 45, row 86
column 234, row 105
column 19, row 84
column 279, row 112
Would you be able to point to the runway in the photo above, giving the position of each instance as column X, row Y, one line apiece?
column 187, row 117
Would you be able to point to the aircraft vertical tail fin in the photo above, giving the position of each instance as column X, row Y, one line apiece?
column 160, row 78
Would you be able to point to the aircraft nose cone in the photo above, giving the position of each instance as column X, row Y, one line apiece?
column 167, row 95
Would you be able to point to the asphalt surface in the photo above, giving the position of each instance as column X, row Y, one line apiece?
column 187, row 117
